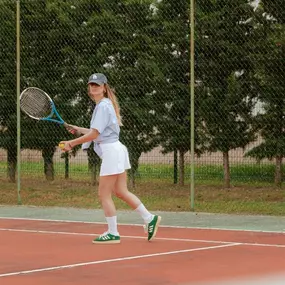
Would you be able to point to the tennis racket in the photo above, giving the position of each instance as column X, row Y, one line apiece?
column 38, row 105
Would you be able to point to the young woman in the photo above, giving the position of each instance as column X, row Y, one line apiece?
column 104, row 131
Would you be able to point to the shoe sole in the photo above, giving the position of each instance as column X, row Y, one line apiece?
column 107, row 242
column 156, row 227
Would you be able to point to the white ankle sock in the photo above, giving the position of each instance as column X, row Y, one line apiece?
column 112, row 225
column 145, row 214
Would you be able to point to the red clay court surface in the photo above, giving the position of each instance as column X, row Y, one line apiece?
column 53, row 253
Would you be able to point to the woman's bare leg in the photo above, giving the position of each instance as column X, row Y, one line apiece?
column 106, row 186
column 122, row 192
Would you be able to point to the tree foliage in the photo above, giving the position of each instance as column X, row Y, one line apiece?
column 227, row 87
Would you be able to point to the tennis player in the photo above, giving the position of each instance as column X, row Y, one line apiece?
column 104, row 131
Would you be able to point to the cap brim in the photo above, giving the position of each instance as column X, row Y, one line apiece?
column 96, row 82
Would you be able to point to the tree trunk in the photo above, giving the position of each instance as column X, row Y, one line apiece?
column 93, row 162
column 133, row 171
column 134, row 160
column 12, row 163
column 278, row 171
column 93, row 175
column 181, row 168
column 66, row 165
column 47, row 154
column 226, row 164
column 175, row 172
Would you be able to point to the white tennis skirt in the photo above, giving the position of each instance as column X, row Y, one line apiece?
column 115, row 158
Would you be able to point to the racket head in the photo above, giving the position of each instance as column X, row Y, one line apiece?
column 36, row 103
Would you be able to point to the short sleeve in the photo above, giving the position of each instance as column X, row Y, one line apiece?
column 101, row 118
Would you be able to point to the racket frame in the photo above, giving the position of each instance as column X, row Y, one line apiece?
column 53, row 112
column 53, row 109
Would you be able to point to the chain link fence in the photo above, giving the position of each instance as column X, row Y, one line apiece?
column 144, row 49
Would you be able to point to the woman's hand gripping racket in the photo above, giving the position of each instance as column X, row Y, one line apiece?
column 38, row 105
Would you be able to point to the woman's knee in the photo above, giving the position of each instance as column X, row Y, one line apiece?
column 121, row 194
column 104, row 195
column 106, row 186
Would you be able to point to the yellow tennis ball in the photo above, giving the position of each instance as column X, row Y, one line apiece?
column 61, row 145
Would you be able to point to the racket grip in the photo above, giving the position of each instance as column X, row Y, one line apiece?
column 72, row 130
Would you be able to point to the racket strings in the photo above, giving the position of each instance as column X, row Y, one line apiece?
column 36, row 104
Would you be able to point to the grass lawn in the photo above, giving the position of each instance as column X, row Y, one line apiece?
column 157, row 195
column 252, row 191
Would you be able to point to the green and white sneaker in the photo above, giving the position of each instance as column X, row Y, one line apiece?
column 107, row 238
column 151, row 227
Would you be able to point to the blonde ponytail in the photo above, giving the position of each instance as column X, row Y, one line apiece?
column 111, row 95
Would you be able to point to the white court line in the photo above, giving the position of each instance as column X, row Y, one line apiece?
column 115, row 260
column 162, row 226
column 140, row 237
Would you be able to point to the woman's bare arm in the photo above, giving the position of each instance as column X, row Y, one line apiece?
column 83, row 131
column 90, row 136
